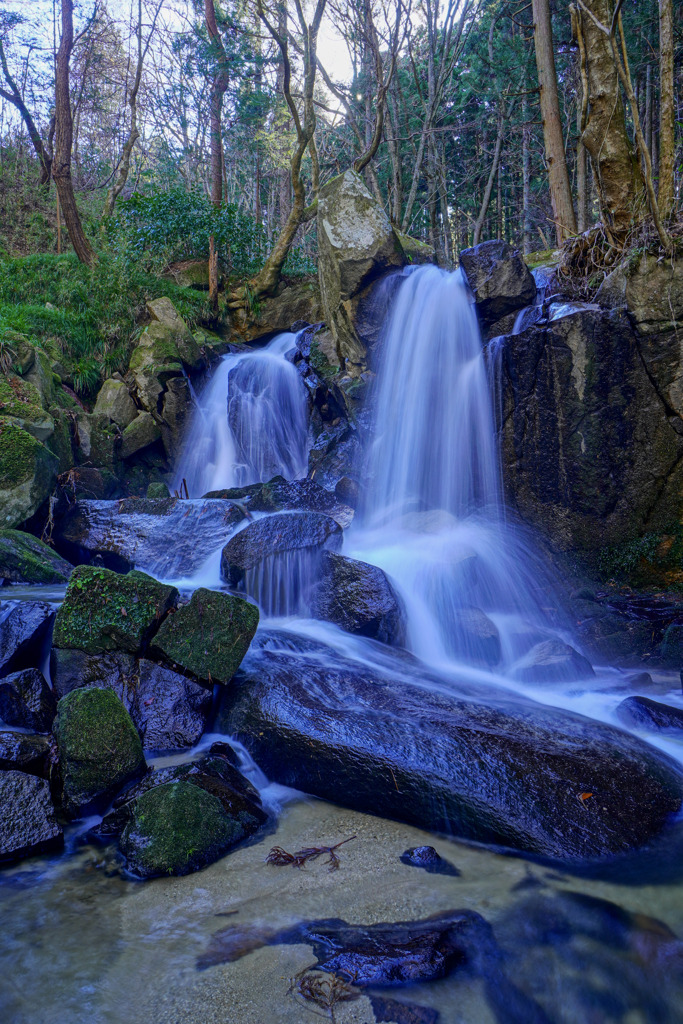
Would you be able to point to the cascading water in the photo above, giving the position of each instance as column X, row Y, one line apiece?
column 434, row 518
column 250, row 423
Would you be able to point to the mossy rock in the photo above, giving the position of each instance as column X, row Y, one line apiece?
column 208, row 637
column 99, row 749
column 177, row 828
column 27, row 474
column 157, row 491
column 114, row 402
column 99, row 440
column 22, row 404
column 25, row 559
column 104, row 611
column 42, row 376
column 139, row 434
column 416, row 252
column 60, row 443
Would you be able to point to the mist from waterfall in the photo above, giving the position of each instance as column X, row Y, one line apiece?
column 250, row 423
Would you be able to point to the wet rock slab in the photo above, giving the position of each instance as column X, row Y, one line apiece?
column 447, row 756
column 275, row 535
column 650, row 714
column 24, row 628
column 27, row 701
column 359, row 598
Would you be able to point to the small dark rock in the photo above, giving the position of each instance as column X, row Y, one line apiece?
column 71, row 669
column 650, row 714
column 27, row 701
column 402, row 1013
column 426, row 857
column 28, row 824
column 499, row 278
column 169, row 710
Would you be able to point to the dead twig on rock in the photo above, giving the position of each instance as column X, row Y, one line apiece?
column 280, row 857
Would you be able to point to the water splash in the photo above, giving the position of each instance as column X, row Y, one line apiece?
column 250, row 423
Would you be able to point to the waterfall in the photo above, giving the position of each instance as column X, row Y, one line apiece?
column 475, row 590
column 250, row 423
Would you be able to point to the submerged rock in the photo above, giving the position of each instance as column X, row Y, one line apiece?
column 209, row 636
column 25, row 559
column 427, row 858
column 475, row 637
column 99, row 749
column 499, row 278
column 275, row 535
column 359, row 598
column 27, row 701
column 384, row 954
column 553, row 662
column 175, row 829
column 28, row 824
column 104, row 611
column 24, row 628
column 650, row 714
column 457, row 758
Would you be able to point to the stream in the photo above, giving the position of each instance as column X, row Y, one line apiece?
column 82, row 943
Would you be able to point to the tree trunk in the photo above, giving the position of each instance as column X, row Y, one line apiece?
column 666, row 108
column 218, row 86
column 61, row 165
column 481, row 219
column 558, row 178
column 528, row 243
column 615, row 169
column 15, row 98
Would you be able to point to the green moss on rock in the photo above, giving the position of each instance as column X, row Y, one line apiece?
column 25, row 559
column 99, row 749
column 18, row 451
column 177, row 828
column 208, row 637
column 104, row 611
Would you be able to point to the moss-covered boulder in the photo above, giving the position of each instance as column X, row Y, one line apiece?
column 209, row 636
column 163, row 311
column 176, row 829
column 25, row 559
column 27, row 474
column 416, row 252
column 99, row 749
column 104, row 611
column 21, row 403
column 98, row 440
column 114, row 401
column 157, row 491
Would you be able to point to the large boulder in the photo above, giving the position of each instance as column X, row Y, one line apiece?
column 99, row 749
column 137, row 531
column 177, row 828
column 165, row 350
column 359, row 598
column 104, row 611
column 140, row 433
column 27, row 474
column 499, row 278
column 356, row 245
column 24, row 629
column 592, row 455
column 209, row 636
column 27, row 701
column 25, row 559
column 651, row 290
column 470, row 761
column 28, row 824
column 276, row 535
column 294, row 302
column 114, row 401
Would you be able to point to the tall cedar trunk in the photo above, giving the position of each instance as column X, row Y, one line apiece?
column 526, row 177
column 666, row 108
column 558, row 177
column 648, row 107
column 218, row 86
column 61, row 164
column 615, row 170
column 581, row 119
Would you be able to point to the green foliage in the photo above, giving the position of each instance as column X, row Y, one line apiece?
column 168, row 225
column 88, row 315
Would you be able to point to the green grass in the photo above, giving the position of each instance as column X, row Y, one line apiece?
column 89, row 316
